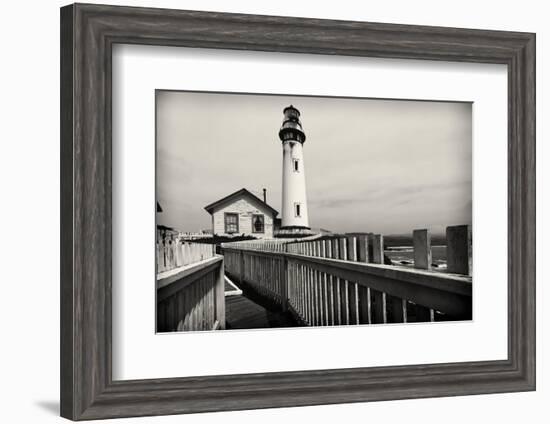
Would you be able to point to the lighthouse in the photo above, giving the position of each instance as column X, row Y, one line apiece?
column 294, row 222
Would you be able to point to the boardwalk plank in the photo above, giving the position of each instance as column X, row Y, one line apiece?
column 243, row 313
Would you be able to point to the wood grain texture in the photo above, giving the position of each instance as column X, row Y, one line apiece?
column 88, row 33
column 67, row 376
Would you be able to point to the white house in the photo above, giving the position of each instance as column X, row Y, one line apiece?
column 242, row 213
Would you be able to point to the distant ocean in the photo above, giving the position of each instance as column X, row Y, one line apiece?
column 404, row 255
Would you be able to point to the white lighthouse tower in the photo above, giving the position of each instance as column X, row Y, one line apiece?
column 294, row 221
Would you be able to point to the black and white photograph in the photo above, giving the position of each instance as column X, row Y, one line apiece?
column 254, row 212
column 279, row 211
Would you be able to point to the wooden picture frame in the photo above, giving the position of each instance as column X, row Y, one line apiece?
column 88, row 33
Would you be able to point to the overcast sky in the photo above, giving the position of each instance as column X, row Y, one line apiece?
column 386, row 166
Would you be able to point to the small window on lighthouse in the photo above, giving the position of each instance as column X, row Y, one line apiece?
column 296, row 163
column 297, row 210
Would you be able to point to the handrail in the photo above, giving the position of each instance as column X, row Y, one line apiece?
column 444, row 292
column 191, row 297
column 175, row 253
column 323, row 283
column 187, row 273
column 177, row 279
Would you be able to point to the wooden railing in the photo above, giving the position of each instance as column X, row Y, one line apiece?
column 344, row 281
column 191, row 297
column 273, row 245
column 176, row 253
column 265, row 272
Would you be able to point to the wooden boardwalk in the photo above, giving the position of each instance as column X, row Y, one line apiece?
column 242, row 312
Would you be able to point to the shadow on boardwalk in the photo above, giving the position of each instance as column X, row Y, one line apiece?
column 247, row 311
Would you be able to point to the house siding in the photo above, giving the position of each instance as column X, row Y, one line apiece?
column 245, row 209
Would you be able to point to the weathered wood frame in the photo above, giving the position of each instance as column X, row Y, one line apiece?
column 88, row 33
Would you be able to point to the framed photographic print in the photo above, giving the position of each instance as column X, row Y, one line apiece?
column 265, row 211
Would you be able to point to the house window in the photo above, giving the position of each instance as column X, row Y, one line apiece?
column 296, row 165
column 231, row 223
column 297, row 210
column 257, row 223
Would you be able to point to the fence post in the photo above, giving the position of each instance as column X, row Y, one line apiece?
column 380, row 312
column 353, row 288
column 396, row 309
column 241, row 266
column 345, row 289
column 352, row 248
column 317, row 283
column 285, row 300
column 324, row 283
column 364, row 292
column 422, row 246
column 179, row 254
column 220, row 296
column 337, row 292
column 378, row 249
column 330, row 288
column 342, row 249
column 459, row 249
column 362, row 248
column 160, row 266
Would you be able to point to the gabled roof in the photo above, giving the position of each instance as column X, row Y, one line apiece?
column 239, row 193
